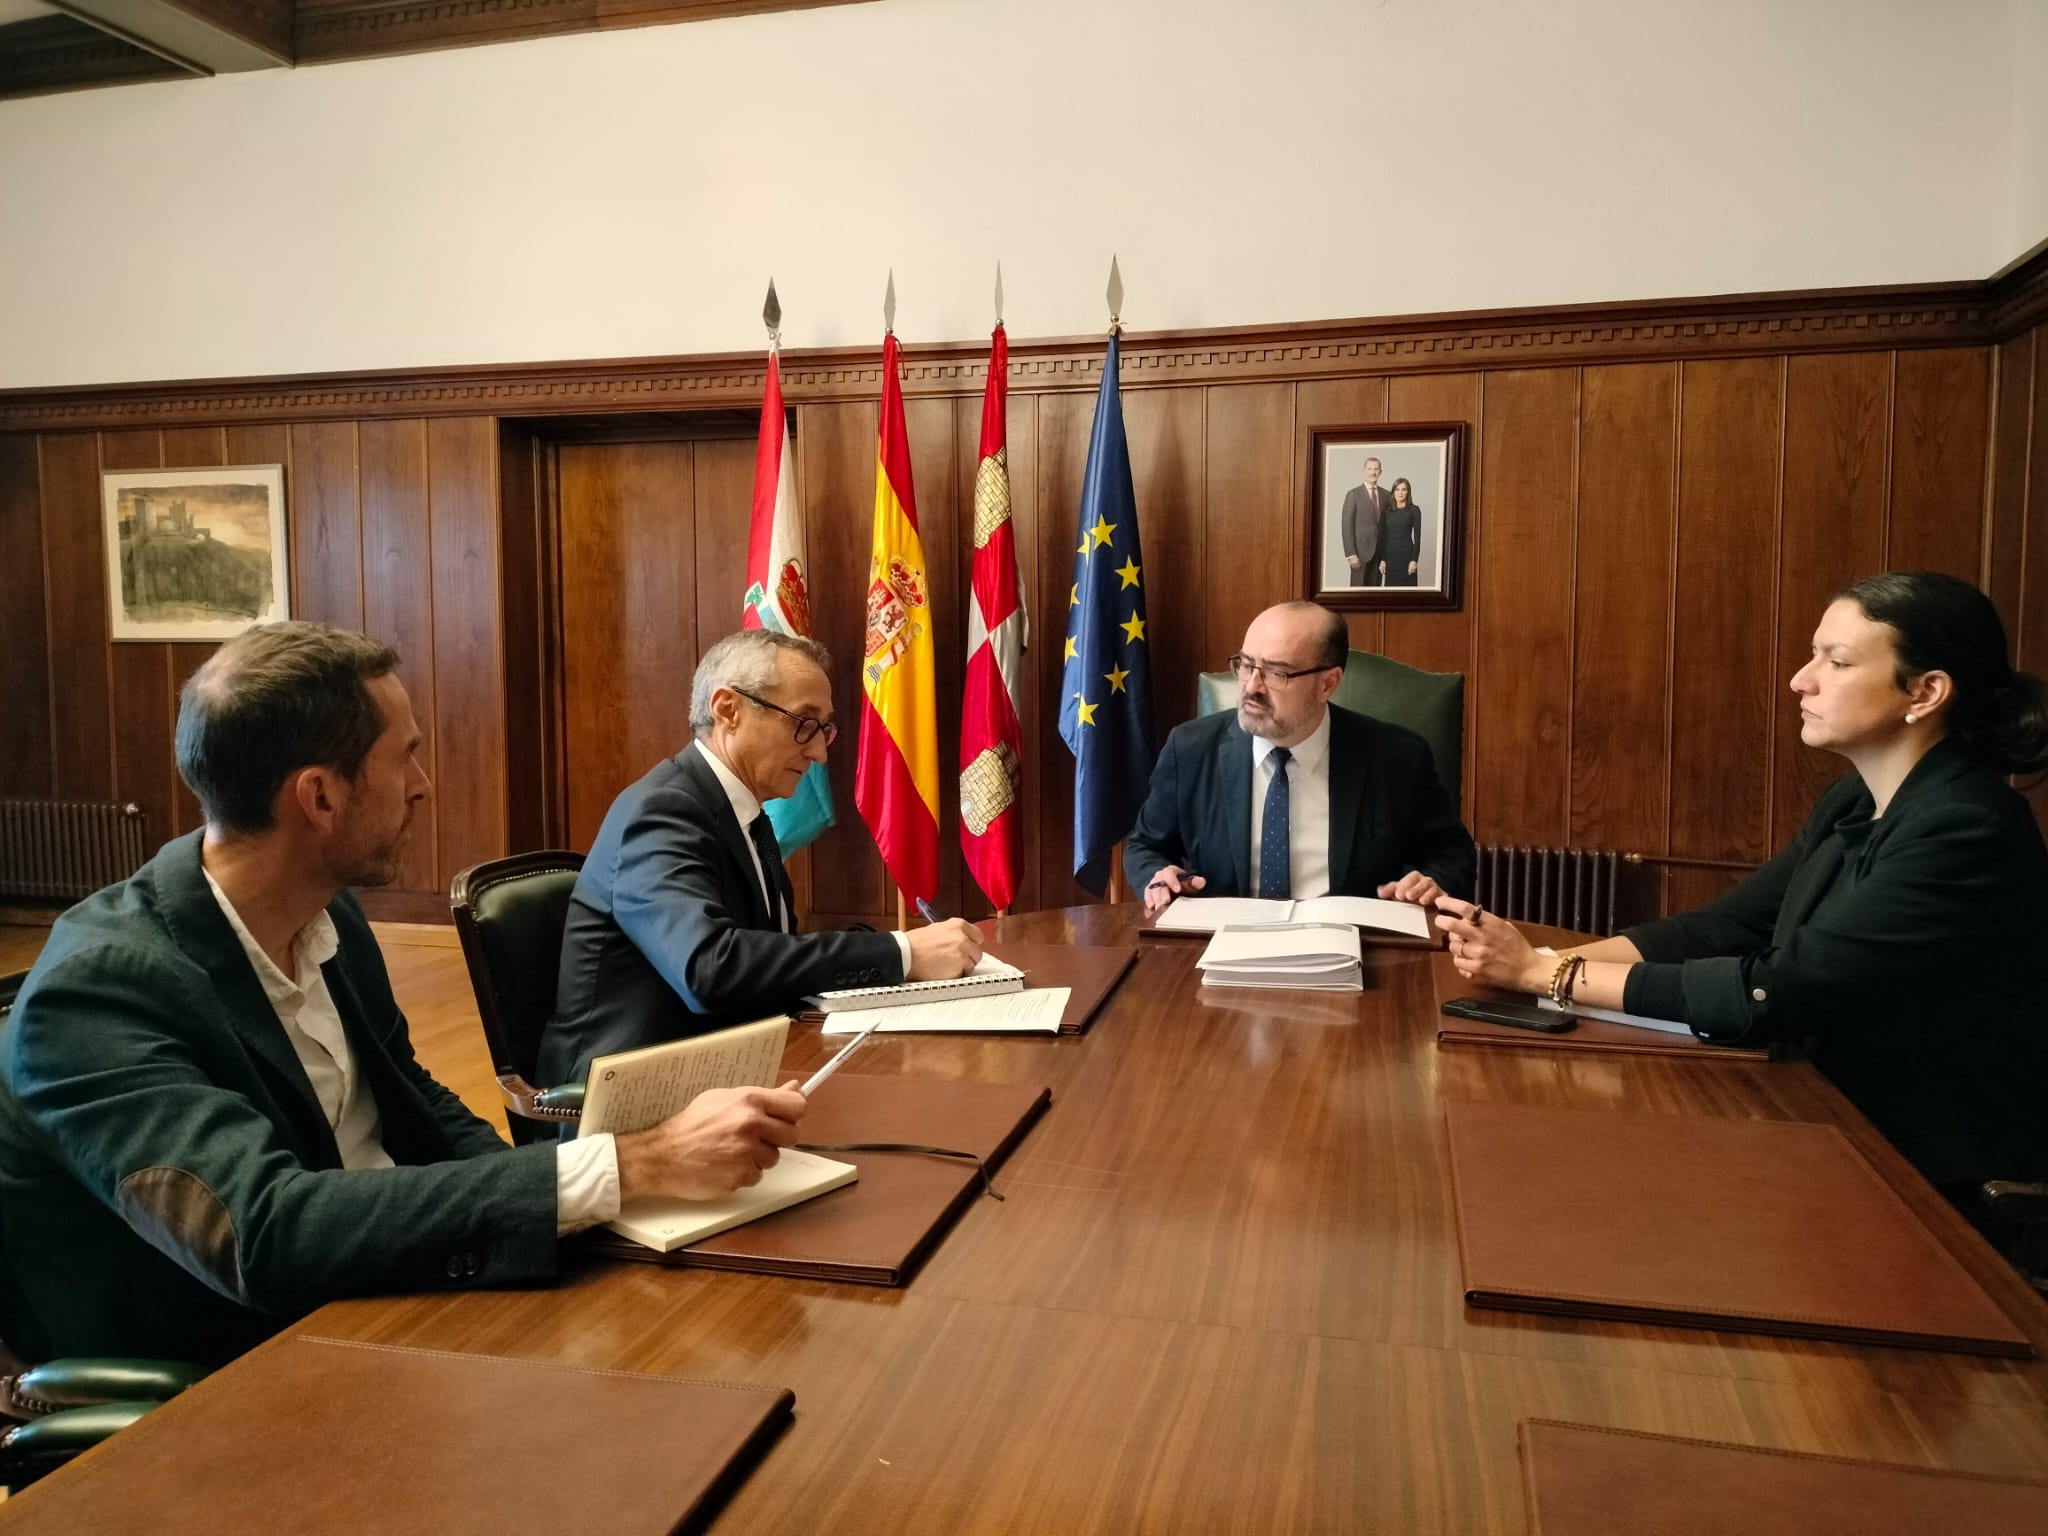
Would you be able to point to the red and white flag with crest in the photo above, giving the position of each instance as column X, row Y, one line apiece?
column 991, row 738
column 778, row 596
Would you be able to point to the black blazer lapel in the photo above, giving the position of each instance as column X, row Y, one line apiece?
column 198, row 927
column 732, row 837
column 1347, row 791
column 1233, row 791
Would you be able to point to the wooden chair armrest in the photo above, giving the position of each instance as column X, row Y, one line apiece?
column 2015, row 1201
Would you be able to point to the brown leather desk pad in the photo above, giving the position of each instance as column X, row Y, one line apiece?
column 1591, row 1035
column 1583, row 1481
column 1755, row 1226
column 1091, row 971
column 314, row 1435
column 878, row 1229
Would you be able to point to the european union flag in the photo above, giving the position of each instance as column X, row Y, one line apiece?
column 1106, row 704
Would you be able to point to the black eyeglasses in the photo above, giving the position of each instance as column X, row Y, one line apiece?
column 806, row 727
column 1247, row 668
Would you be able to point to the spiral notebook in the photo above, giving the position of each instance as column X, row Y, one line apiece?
column 989, row 975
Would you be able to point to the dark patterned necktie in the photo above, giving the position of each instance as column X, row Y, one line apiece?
column 1276, row 882
column 773, row 875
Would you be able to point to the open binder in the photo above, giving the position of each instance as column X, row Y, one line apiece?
column 877, row 1230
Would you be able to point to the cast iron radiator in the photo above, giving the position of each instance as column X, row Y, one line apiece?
column 1592, row 890
column 68, row 849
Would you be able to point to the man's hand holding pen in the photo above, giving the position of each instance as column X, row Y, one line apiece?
column 1170, row 882
column 945, row 948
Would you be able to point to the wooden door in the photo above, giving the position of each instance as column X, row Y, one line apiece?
column 653, row 539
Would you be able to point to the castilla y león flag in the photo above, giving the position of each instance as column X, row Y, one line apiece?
column 897, row 783
column 991, row 740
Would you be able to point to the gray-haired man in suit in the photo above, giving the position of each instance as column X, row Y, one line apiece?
column 1360, row 524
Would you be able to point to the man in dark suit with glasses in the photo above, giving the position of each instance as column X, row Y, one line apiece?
column 1292, row 797
column 683, row 919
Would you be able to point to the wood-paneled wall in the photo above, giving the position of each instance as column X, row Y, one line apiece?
column 1651, row 545
column 2017, row 538
column 1657, row 511
column 393, row 529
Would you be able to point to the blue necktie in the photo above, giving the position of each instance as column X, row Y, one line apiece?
column 1276, row 883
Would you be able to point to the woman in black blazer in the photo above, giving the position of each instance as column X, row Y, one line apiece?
column 1401, row 537
column 1897, row 937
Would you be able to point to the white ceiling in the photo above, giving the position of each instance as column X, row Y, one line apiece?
column 22, row 10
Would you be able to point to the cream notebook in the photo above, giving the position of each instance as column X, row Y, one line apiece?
column 795, row 1178
column 632, row 1090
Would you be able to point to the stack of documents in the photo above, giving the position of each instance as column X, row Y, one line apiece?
column 1206, row 914
column 1313, row 957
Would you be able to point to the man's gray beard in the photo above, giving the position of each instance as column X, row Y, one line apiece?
column 1269, row 725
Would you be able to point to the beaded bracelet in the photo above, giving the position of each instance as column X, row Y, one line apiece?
column 1565, row 977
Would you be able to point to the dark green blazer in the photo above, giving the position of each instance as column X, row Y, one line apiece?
column 1903, row 952
column 168, row 1183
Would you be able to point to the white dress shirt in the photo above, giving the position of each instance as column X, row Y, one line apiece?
column 746, row 807
column 1308, row 810
column 586, row 1170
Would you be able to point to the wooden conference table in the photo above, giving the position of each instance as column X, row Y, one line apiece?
column 1223, row 1295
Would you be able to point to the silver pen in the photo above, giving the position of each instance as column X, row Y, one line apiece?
column 839, row 1056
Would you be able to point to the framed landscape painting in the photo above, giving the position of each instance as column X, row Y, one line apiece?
column 194, row 554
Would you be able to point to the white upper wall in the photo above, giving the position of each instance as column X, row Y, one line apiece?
column 1250, row 161
column 2029, row 226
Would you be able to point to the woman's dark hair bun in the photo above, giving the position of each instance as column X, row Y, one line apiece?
column 1944, row 624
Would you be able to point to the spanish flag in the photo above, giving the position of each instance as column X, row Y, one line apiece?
column 896, row 784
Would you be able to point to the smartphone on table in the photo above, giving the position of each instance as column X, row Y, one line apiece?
column 1546, row 1021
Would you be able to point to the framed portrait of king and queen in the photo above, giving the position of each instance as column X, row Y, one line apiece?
column 1386, row 508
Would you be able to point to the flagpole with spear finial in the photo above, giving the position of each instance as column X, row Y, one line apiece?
column 1115, row 295
column 1001, row 912
column 888, row 330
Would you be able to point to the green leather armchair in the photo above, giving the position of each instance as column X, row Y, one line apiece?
column 51, row 1412
column 1431, row 704
column 509, row 914
column 2014, row 1216
column 55, row 1411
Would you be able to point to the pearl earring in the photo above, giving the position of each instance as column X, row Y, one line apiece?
column 1911, row 717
